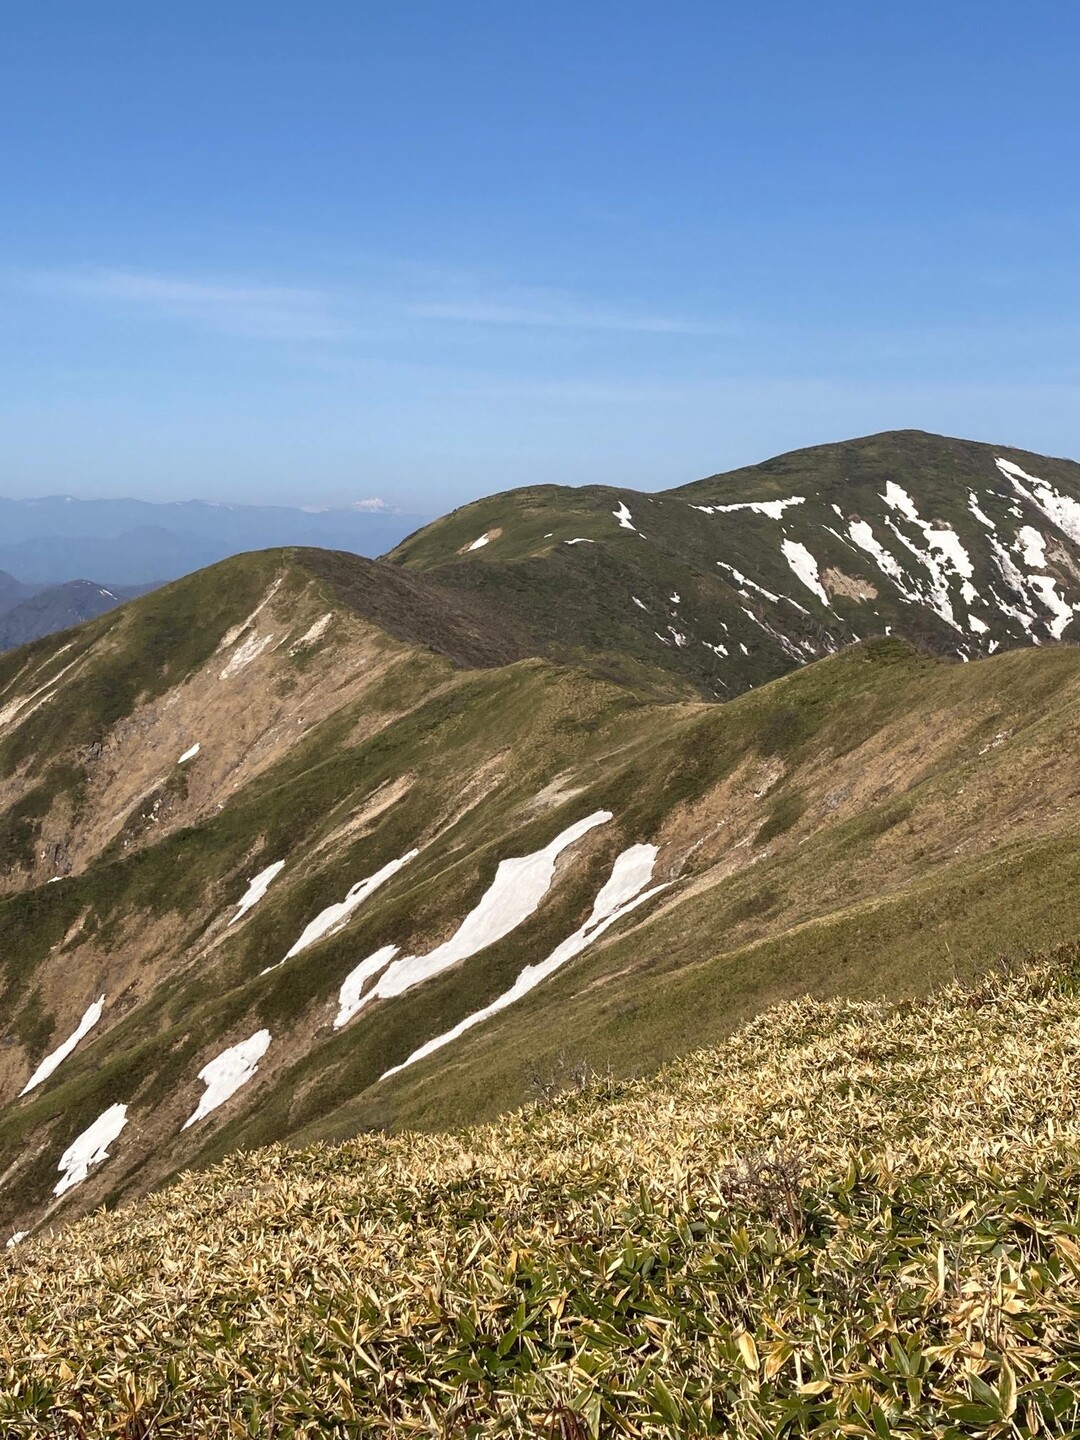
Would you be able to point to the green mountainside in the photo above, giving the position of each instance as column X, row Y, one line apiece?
column 304, row 845
column 962, row 548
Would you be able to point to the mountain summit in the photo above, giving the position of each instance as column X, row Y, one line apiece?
column 306, row 844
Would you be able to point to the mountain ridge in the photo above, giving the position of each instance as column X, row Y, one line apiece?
column 364, row 840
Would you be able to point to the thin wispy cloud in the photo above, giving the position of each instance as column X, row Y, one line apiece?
column 271, row 312
column 543, row 309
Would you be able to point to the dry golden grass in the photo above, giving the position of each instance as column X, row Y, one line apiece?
column 849, row 1219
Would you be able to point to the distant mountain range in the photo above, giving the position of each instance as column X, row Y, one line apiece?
column 27, row 612
column 136, row 542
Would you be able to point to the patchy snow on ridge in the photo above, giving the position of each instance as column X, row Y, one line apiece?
column 227, row 1072
column 245, row 653
column 773, row 508
column 189, row 754
column 1060, row 510
column 622, row 892
column 513, row 895
column 349, row 1001
column 805, row 567
column 625, row 519
column 977, row 626
column 60, row 1054
column 334, row 917
column 257, row 888
column 90, row 1148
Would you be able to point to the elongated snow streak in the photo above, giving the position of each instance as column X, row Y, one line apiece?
column 513, row 895
column 90, row 1148
column 189, row 754
column 225, row 1074
column 481, row 542
column 1060, row 510
column 625, row 519
column 773, row 508
column 579, row 541
column 49, row 1064
column 331, row 920
column 352, row 986
column 624, row 891
column 980, row 515
column 257, row 888
column 805, row 567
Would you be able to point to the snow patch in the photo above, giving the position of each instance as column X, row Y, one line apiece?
column 349, row 996
column 16, row 1239
column 773, row 508
column 334, row 917
column 978, row 627
column 1032, row 546
column 57, row 1056
column 480, row 543
column 225, row 1074
column 257, row 888
column 805, row 567
column 90, row 1148
column 513, row 895
column 625, row 519
column 973, row 506
column 622, row 892
column 189, row 754
column 639, row 603
column 579, row 541
column 1046, row 589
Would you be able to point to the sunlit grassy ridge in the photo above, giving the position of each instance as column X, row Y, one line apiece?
column 850, row 1218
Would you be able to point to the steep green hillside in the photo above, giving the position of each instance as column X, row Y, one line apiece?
column 960, row 547
column 849, row 1219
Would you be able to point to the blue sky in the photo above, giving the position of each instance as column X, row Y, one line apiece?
column 323, row 252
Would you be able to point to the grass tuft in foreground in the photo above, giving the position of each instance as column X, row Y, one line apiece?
column 849, row 1219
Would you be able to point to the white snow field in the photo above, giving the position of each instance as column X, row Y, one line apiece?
column 90, row 1148
column 52, row 1060
column 257, row 888
column 623, row 891
column 225, row 1074
column 189, row 754
column 513, row 895
column 331, row 920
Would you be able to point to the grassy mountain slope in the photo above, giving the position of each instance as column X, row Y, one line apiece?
column 848, row 1219
column 923, row 536
column 809, row 838
column 368, row 843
